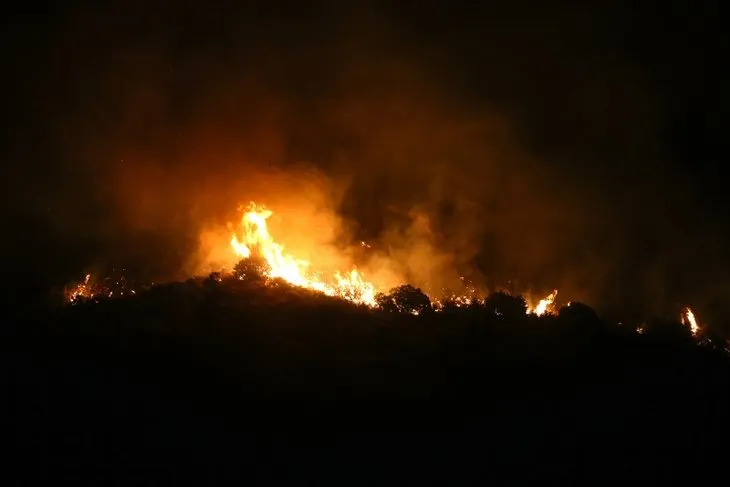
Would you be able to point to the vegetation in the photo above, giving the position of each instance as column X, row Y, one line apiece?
column 228, row 374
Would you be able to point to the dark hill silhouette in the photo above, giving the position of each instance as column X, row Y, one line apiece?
column 212, row 378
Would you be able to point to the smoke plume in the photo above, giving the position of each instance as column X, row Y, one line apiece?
column 493, row 148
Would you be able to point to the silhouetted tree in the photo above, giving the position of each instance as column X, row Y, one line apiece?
column 668, row 330
column 404, row 299
column 449, row 306
column 579, row 319
column 505, row 305
column 253, row 268
column 578, row 313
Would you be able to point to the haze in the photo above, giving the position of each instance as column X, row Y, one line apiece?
column 504, row 147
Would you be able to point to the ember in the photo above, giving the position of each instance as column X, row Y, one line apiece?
column 91, row 289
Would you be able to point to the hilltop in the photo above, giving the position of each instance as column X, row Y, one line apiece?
column 220, row 376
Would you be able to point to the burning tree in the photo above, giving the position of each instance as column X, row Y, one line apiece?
column 404, row 299
column 252, row 268
column 503, row 304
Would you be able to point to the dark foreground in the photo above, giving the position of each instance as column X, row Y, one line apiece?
column 181, row 385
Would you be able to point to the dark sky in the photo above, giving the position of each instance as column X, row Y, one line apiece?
column 576, row 145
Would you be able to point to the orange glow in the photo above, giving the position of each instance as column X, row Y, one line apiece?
column 80, row 291
column 688, row 318
column 545, row 305
column 253, row 238
column 251, row 243
column 453, row 300
column 94, row 289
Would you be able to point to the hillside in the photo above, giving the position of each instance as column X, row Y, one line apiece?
column 273, row 382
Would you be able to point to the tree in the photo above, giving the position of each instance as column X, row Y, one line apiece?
column 578, row 313
column 252, row 268
column 404, row 299
column 505, row 305
column 668, row 330
column 579, row 319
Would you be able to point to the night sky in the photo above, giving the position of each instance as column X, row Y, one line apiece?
column 577, row 146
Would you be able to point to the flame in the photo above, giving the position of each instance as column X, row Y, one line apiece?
column 252, row 244
column 254, row 238
column 688, row 318
column 95, row 289
column 453, row 300
column 545, row 305
column 80, row 291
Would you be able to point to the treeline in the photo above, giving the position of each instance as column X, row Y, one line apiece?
column 185, row 372
column 247, row 286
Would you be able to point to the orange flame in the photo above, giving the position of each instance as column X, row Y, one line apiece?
column 254, row 238
column 545, row 305
column 80, row 291
column 688, row 318
column 453, row 300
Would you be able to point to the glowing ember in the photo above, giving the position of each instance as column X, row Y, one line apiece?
column 94, row 289
column 254, row 239
column 455, row 301
column 545, row 305
column 80, row 291
column 688, row 318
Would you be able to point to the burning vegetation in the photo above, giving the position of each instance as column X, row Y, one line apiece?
column 260, row 258
column 546, row 304
column 688, row 319
column 261, row 255
column 253, row 240
column 90, row 289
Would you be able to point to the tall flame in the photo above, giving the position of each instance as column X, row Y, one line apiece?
column 545, row 305
column 80, row 290
column 688, row 318
column 254, row 238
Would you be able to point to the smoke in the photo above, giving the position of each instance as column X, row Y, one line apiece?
column 307, row 221
column 494, row 148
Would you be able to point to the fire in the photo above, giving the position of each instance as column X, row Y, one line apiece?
column 80, row 291
column 254, row 239
column 546, row 304
column 94, row 289
column 454, row 300
column 688, row 318
column 259, row 254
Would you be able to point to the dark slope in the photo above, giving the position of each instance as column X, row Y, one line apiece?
column 191, row 384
